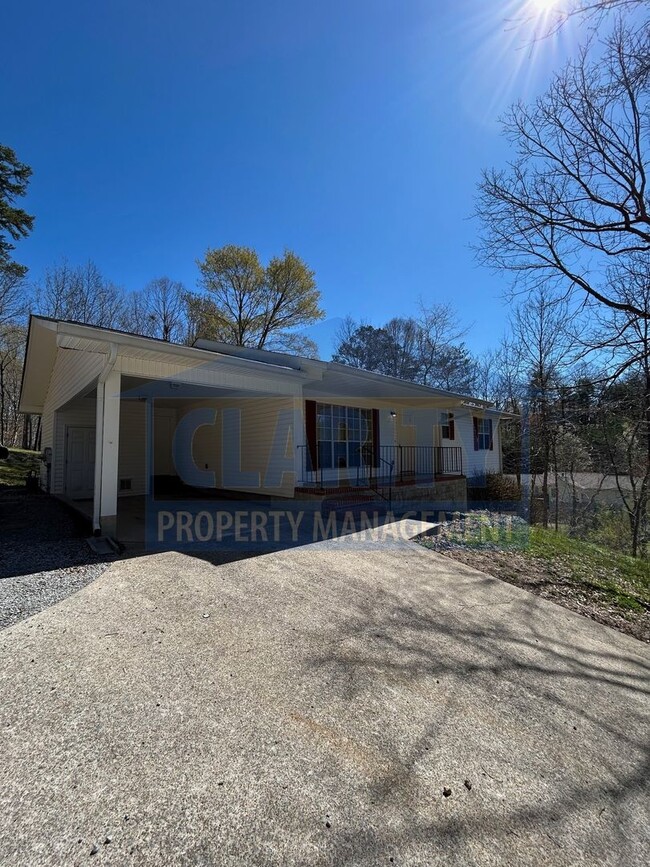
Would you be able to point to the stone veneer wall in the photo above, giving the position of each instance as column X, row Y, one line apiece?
column 445, row 495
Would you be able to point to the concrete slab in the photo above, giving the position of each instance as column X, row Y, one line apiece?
column 313, row 707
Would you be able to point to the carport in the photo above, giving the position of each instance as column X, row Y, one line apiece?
column 125, row 416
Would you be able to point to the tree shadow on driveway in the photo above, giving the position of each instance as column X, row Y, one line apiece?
column 546, row 721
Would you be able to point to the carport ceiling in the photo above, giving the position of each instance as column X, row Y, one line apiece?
column 173, row 391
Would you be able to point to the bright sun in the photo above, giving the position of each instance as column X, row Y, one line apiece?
column 543, row 10
column 545, row 5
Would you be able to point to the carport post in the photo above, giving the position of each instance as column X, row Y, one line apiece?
column 107, row 448
column 298, row 437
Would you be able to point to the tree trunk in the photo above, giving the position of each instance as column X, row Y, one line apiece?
column 574, row 501
column 634, row 531
column 556, row 522
column 2, row 404
column 36, row 442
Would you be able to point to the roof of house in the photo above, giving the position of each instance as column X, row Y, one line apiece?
column 321, row 378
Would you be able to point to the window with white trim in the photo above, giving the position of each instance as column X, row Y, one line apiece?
column 447, row 426
column 344, row 436
column 483, row 434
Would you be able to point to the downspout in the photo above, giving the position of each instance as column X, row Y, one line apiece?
column 99, row 436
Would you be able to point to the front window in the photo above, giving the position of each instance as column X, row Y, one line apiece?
column 447, row 425
column 344, row 435
column 483, row 433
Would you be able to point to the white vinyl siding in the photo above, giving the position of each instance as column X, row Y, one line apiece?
column 73, row 373
column 132, row 458
column 277, row 391
column 476, row 463
column 259, row 417
column 132, row 462
column 81, row 413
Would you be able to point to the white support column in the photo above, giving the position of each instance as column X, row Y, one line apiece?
column 298, row 436
column 107, row 448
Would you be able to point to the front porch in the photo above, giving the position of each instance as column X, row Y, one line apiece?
column 391, row 465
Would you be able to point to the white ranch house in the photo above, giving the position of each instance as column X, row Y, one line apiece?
column 124, row 416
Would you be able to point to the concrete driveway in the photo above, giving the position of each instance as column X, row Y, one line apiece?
column 340, row 703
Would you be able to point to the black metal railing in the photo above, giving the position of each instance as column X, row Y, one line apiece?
column 310, row 474
column 393, row 464
column 377, row 480
column 422, row 462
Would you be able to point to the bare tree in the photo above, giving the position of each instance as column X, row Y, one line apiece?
column 548, row 21
column 575, row 200
column 487, row 375
column 570, row 456
column 159, row 310
column 14, row 294
column 166, row 302
column 541, row 339
column 440, row 327
column 625, row 419
column 12, row 347
column 135, row 315
column 623, row 340
column 81, row 294
column 345, row 333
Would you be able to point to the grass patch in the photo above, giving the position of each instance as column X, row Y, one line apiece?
column 15, row 469
column 625, row 579
column 594, row 580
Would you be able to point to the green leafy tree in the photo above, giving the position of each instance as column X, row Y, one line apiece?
column 247, row 304
column 15, row 223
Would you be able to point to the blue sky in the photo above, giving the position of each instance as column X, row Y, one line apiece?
column 351, row 132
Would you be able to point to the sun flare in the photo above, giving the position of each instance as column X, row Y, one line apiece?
column 544, row 7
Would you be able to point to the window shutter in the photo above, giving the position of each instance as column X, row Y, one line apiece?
column 475, row 420
column 452, row 427
column 375, row 437
column 491, row 436
column 310, row 429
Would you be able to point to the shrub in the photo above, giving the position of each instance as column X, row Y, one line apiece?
column 493, row 487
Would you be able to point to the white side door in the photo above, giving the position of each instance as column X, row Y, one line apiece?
column 80, row 462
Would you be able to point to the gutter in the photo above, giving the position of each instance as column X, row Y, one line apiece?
column 99, row 436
